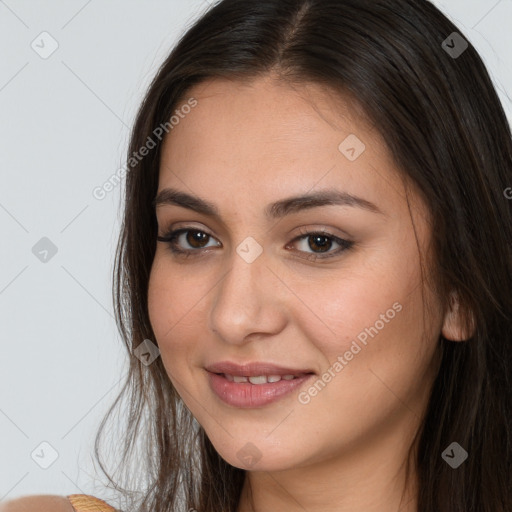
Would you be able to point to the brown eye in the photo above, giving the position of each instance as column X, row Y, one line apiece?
column 318, row 242
column 195, row 239
column 321, row 242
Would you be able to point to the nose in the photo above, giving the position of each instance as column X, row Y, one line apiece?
column 247, row 302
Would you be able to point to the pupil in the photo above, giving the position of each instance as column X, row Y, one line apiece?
column 195, row 238
column 322, row 246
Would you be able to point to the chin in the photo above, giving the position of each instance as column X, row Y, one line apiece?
column 257, row 454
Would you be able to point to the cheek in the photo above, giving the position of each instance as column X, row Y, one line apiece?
column 164, row 309
column 176, row 307
column 373, row 367
column 371, row 317
column 343, row 305
column 159, row 301
column 169, row 297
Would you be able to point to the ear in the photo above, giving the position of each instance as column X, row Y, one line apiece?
column 453, row 325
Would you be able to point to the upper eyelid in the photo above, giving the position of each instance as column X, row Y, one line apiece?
column 186, row 228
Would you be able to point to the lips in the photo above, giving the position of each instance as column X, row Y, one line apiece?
column 255, row 384
column 247, row 395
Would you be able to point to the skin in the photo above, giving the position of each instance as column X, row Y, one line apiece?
column 245, row 146
column 39, row 503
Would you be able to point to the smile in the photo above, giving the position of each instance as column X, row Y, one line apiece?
column 254, row 391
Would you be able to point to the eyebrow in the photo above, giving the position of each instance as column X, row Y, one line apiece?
column 171, row 196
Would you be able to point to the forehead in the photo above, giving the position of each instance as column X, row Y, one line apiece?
column 267, row 111
column 266, row 139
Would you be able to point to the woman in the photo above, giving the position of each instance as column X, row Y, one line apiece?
column 373, row 377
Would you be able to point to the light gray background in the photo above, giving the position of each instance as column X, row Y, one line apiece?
column 64, row 125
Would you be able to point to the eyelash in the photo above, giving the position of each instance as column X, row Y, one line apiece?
column 171, row 237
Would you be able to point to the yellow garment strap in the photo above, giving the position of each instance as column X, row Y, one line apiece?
column 86, row 503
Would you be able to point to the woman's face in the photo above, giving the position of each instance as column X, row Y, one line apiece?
column 249, row 292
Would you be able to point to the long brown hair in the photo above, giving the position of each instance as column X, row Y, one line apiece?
column 445, row 126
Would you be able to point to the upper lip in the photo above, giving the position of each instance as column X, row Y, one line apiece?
column 254, row 369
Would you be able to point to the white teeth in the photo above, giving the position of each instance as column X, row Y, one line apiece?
column 258, row 379
column 261, row 379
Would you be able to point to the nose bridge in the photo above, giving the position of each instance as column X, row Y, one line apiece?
column 245, row 298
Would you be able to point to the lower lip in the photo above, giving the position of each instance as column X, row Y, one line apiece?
column 247, row 395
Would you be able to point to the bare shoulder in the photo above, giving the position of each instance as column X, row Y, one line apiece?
column 37, row 503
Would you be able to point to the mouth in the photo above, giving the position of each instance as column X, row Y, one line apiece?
column 254, row 384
